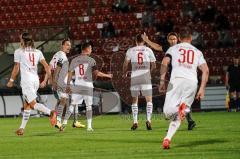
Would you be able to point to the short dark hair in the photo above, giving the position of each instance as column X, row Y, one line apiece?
column 172, row 34
column 185, row 32
column 85, row 45
column 65, row 40
column 27, row 40
column 139, row 38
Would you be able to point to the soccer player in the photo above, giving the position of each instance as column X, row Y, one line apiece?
column 143, row 63
column 185, row 60
column 232, row 83
column 26, row 59
column 82, row 67
column 59, row 64
column 172, row 39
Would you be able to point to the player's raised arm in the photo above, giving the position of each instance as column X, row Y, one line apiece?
column 154, row 45
column 101, row 74
column 14, row 74
column 205, row 73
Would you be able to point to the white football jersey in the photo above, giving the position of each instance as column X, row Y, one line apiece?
column 140, row 57
column 59, row 56
column 185, row 59
column 28, row 59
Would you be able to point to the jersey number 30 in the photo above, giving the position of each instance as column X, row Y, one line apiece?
column 186, row 56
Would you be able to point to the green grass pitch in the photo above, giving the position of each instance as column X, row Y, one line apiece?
column 217, row 136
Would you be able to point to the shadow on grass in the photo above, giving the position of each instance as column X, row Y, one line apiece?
column 201, row 142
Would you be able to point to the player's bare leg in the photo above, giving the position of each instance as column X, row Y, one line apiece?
column 42, row 108
column 149, row 109
column 135, row 113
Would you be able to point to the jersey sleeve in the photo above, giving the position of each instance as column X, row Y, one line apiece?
column 17, row 56
column 41, row 57
column 94, row 65
column 169, row 52
column 128, row 54
column 151, row 56
column 201, row 60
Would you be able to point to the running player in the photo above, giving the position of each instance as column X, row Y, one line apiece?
column 185, row 60
column 172, row 39
column 82, row 67
column 27, row 58
column 143, row 63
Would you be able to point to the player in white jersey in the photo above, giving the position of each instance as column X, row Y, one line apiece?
column 185, row 60
column 27, row 58
column 143, row 62
column 82, row 67
column 172, row 39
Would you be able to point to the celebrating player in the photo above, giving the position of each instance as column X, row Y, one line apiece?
column 27, row 58
column 59, row 64
column 82, row 67
column 143, row 62
column 185, row 60
column 172, row 39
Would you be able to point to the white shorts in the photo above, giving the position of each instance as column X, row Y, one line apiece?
column 180, row 90
column 61, row 93
column 78, row 99
column 146, row 90
column 29, row 90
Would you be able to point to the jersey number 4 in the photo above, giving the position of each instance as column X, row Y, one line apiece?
column 186, row 56
column 31, row 58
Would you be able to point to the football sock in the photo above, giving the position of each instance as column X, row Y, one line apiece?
column 173, row 126
column 42, row 108
column 76, row 113
column 25, row 118
column 189, row 117
column 149, row 110
column 89, row 116
column 135, row 113
column 59, row 112
column 68, row 113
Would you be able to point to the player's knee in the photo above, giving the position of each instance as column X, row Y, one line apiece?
column 149, row 99
column 32, row 104
column 134, row 100
column 26, row 106
column 88, row 107
column 63, row 101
